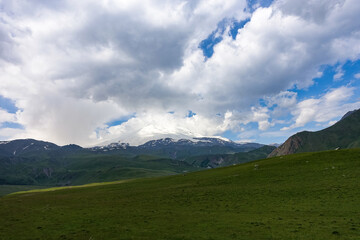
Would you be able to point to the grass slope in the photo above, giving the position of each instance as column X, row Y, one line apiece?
column 301, row 196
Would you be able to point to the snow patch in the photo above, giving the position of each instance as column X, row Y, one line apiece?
column 28, row 146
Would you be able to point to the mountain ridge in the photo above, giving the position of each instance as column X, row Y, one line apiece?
column 343, row 134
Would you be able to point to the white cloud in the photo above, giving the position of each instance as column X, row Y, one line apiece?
column 281, row 103
column 324, row 109
column 339, row 73
column 150, row 125
column 284, row 99
column 65, row 120
column 72, row 66
column 10, row 133
column 261, row 116
column 357, row 75
column 6, row 117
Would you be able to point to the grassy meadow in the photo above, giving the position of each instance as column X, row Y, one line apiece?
column 303, row 196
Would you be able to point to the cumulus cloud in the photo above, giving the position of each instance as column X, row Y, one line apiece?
column 71, row 67
column 65, row 120
column 6, row 117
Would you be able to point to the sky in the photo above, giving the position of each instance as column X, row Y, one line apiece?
column 94, row 71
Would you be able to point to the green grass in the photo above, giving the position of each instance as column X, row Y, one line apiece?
column 303, row 196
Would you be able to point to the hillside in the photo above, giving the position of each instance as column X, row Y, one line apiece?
column 343, row 134
column 301, row 196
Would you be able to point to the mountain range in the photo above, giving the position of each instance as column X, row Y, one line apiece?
column 165, row 147
column 33, row 162
column 180, row 148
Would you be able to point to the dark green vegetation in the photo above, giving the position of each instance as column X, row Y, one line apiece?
column 344, row 134
column 301, row 196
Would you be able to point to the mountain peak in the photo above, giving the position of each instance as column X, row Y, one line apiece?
column 22, row 146
column 349, row 113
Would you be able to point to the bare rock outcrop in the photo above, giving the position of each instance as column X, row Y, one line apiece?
column 291, row 145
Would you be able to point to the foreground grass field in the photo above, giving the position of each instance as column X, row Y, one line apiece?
column 304, row 196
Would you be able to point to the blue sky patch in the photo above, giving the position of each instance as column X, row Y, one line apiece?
column 11, row 125
column 8, row 105
column 326, row 82
column 207, row 45
column 190, row 114
column 253, row 4
column 236, row 26
column 119, row 121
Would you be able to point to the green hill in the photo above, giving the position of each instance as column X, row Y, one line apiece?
column 343, row 134
column 301, row 196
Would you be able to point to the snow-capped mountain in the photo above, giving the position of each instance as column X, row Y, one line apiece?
column 199, row 142
column 111, row 147
column 168, row 141
column 179, row 148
